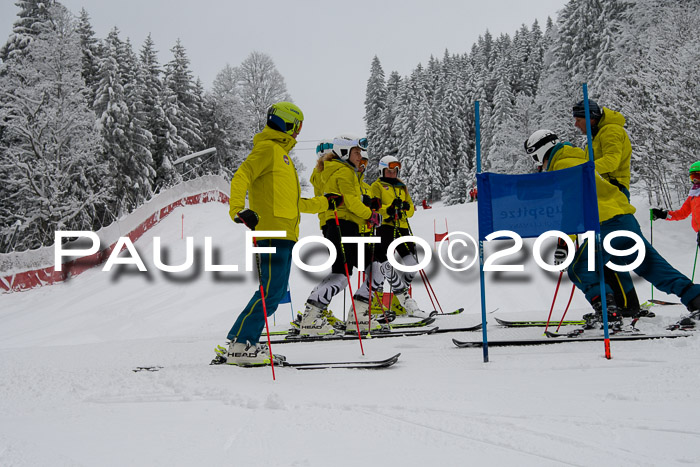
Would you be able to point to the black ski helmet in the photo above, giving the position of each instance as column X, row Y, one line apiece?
column 580, row 111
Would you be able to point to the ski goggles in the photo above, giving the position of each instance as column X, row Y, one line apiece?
column 392, row 165
column 364, row 160
column 695, row 177
column 323, row 147
column 361, row 143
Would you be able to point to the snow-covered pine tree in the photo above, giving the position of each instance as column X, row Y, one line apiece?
column 89, row 46
column 419, row 161
column 261, row 85
column 31, row 15
column 388, row 129
column 52, row 176
column 375, row 111
column 164, row 135
column 180, row 87
column 499, row 153
column 224, row 126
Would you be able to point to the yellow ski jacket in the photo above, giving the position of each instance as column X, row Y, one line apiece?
column 388, row 189
column 269, row 177
column 611, row 201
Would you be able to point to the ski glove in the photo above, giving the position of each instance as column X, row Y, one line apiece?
column 406, row 206
column 334, row 200
column 373, row 203
column 375, row 220
column 658, row 214
column 247, row 217
column 394, row 213
column 561, row 253
column 396, row 209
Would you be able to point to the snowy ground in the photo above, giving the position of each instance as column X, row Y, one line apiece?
column 68, row 395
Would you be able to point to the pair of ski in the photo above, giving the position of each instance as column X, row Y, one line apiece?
column 427, row 330
column 358, row 365
column 629, row 334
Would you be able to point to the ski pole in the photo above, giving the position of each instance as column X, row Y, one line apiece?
column 424, row 276
column 262, row 298
column 571, row 296
column 347, row 275
column 556, row 291
column 695, row 262
column 651, row 241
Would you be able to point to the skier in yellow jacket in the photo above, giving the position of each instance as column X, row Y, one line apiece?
column 270, row 179
column 396, row 207
column 612, row 152
column 339, row 175
column 615, row 214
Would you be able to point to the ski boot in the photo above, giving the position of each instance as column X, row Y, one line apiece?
column 410, row 305
column 337, row 323
column 314, row 323
column 249, row 354
column 365, row 323
column 595, row 320
column 689, row 322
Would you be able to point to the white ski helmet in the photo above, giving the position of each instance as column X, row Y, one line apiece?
column 388, row 162
column 325, row 146
column 539, row 144
column 344, row 143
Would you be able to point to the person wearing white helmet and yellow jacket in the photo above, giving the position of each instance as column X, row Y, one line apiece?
column 339, row 175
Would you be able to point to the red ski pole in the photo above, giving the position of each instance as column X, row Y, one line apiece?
column 347, row 275
column 262, row 298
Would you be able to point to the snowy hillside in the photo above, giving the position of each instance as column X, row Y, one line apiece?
column 68, row 395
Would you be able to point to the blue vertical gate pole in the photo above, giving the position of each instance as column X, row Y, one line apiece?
column 484, row 336
column 598, row 242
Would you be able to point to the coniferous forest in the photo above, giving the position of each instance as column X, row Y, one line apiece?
column 638, row 57
column 91, row 128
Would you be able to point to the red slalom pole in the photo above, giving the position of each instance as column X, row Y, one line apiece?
column 573, row 287
column 267, row 327
column 556, row 291
column 347, row 275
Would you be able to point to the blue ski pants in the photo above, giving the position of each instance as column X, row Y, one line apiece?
column 274, row 272
column 655, row 269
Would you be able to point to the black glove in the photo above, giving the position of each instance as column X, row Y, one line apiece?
column 394, row 213
column 334, row 200
column 375, row 204
column 366, row 199
column 561, row 253
column 406, row 206
column 658, row 214
column 247, row 217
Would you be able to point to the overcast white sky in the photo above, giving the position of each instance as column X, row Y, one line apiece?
column 323, row 49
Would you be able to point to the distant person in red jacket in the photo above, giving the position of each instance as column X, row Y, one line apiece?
column 690, row 207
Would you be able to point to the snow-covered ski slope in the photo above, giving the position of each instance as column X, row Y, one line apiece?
column 68, row 395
